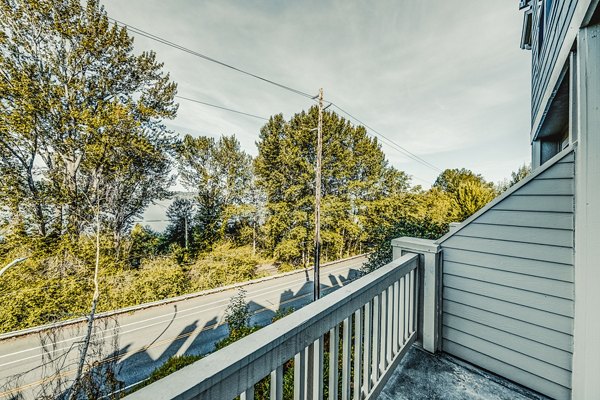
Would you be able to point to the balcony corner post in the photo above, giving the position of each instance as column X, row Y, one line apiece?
column 430, row 302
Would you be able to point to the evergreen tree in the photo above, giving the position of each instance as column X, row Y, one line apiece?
column 181, row 216
column 221, row 173
column 355, row 176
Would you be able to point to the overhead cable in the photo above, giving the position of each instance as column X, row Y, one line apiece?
column 207, row 58
column 159, row 39
column 221, row 107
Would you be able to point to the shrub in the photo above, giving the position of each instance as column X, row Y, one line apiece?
column 173, row 364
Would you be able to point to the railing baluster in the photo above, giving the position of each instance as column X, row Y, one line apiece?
column 334, row 342
column 376, row 340
column 383, row 333
column 390, row 323
column 310, row 369
column 357, row 352
column 299, row 376
column 318, row 369
column 277, row 383
column 396, row 319
column 367, row 351
column 406, row 307
column 411, row 327
column 402, row 311
column 346, row 359
column 248, row 394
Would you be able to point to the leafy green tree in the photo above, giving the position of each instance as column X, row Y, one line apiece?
column 221, row 173
column 515, row 177
column 381, row 253
column 472, row 196
column 450, row 179
column 469, row 191
column 80, row 119
column 355, row 175
column 143, row 243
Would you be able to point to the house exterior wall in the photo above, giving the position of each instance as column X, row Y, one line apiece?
column 507, row 276
column 545, row 56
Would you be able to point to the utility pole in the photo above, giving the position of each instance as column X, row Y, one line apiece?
column 317, row 281
column 186, row 232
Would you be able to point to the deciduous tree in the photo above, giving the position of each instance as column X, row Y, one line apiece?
column 78, row 110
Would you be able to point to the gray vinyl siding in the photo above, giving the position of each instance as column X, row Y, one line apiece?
column 554, row 35
column 508, row 284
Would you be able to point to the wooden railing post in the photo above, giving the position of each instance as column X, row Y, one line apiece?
column 430, row 290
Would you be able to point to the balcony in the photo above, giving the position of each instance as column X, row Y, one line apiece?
column 372, row 339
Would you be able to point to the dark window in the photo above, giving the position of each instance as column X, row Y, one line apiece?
column 547, row 12
column 526, row 39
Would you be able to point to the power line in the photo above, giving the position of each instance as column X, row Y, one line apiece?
column 207, row 58
column 164, row 41
column 221, row 107
column 402, row 149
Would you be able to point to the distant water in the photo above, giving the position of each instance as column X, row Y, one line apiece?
column 155, row 215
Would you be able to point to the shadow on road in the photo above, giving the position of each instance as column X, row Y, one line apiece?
column 132, row 365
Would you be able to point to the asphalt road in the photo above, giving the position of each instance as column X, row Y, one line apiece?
column 136, row 343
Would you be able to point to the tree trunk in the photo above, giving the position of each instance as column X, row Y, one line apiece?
column 72, row 395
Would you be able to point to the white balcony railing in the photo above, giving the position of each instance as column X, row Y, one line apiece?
column 368, row 325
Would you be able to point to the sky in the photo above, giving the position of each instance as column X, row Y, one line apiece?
column 445, row 79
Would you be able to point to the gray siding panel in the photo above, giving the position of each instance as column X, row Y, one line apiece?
column 524, row 377
column 537, row 203
column 517, row 322
column 508, row 284
column 533, row 300
column 522, row 361
column 519, row 312
column 524, row 266
column 533, row 348
column 514, row 280
column 562, row 170
column 543, row 236
column 529, row 219
column 549, row 186
column 563, row 255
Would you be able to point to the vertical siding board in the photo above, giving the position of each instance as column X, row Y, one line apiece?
column 508, row 283
column 541, row 74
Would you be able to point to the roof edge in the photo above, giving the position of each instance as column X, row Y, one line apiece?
column 550, row 163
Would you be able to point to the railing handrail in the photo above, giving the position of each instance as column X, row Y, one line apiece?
column 273, row 345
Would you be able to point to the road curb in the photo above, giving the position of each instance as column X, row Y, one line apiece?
column 105, row 314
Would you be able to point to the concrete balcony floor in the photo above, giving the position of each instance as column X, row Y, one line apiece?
column 422, row 375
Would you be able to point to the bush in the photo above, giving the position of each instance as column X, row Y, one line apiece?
column 173, row 364
column 237, row 314
column 223, row 266
column 381, row 251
